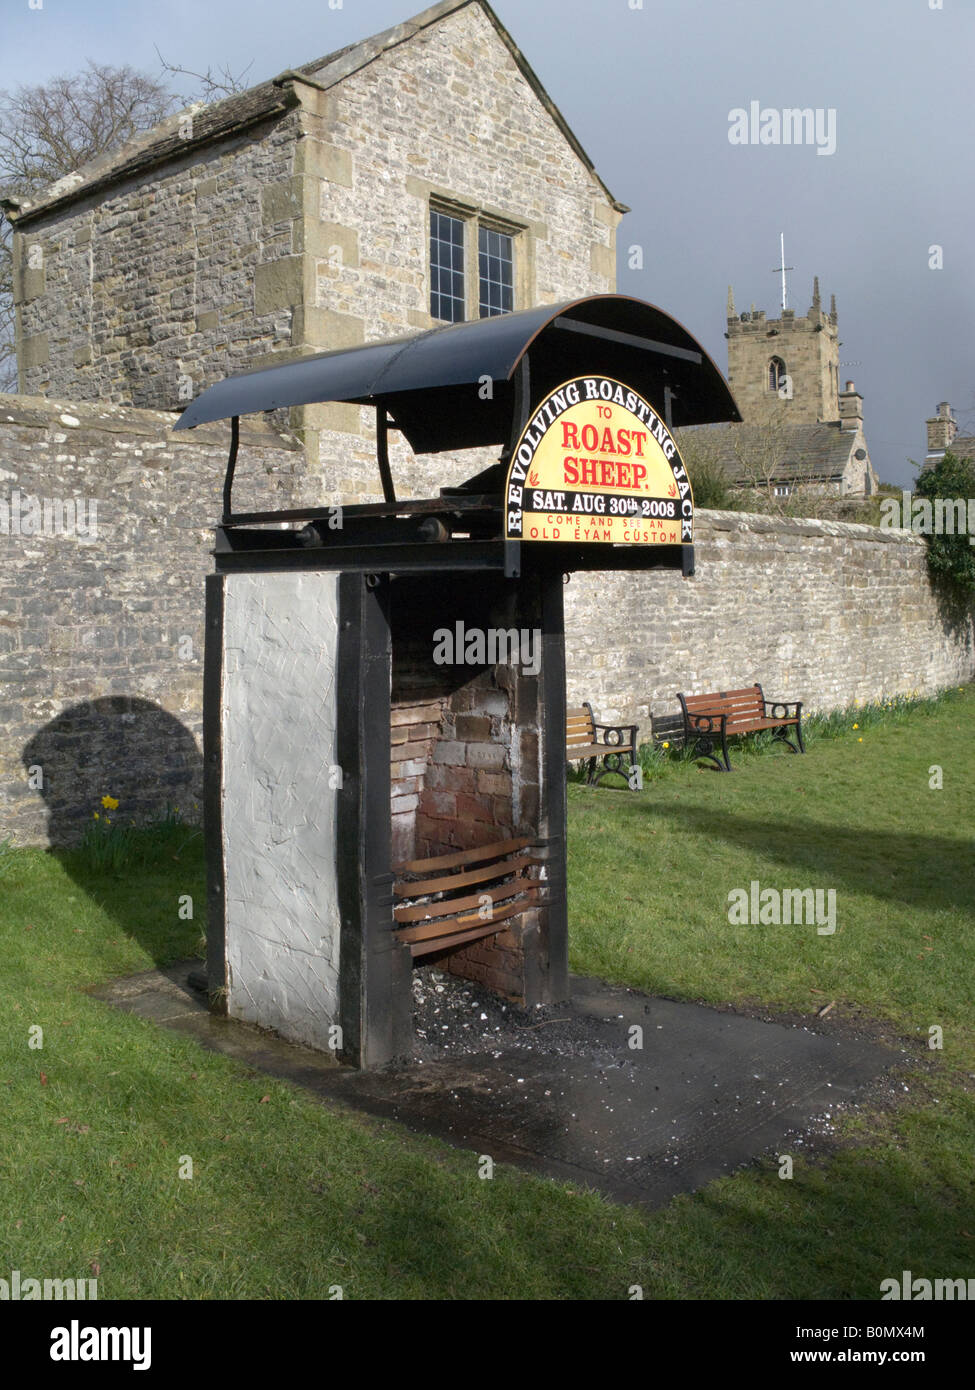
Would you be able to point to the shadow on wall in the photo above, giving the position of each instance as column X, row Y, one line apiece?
column 956, row 611
column 120, row 746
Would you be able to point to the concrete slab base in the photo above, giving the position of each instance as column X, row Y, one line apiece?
column 707, row 1091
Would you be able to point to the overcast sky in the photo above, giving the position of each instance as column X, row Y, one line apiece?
column 648, row 92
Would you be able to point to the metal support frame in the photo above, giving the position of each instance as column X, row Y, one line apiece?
column 228, row 481
column 614, row 335
column 521, row 408
column 615, row 759
column 382, row 453
column 216, row 931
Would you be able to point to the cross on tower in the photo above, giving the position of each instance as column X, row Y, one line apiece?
column 782, row 268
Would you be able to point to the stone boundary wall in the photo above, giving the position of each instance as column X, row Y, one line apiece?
column 101, row 634
column 819, row 611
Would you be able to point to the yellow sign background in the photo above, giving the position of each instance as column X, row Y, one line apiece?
column 598, row 470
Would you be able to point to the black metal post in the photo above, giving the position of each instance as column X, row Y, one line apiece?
column 382, row 453
column 228, row 482
column 519, row 419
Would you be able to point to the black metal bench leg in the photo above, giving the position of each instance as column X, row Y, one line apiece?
column 781, row 735
column 704, row 747
column 617, row 766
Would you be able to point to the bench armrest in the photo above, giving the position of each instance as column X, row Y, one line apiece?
column 706, row 721
column 784, row 705
column 621, row 730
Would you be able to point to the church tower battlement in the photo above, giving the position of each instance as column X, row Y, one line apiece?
column 794, row 359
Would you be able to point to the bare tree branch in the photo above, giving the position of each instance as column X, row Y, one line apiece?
column 52, row 129
column 49, row 130
column 225, row 84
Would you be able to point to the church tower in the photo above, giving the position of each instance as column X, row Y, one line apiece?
column 793, row 360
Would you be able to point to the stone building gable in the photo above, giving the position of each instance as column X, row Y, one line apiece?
column 145, row 290
column 295, row 218
column 451, row 121
column 204, row 123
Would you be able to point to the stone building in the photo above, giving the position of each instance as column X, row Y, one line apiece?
column 942, row 430
column 421, row 175
column 800, row 433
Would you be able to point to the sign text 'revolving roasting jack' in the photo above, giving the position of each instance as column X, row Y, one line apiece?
column 596, row 463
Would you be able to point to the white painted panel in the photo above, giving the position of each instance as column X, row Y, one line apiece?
column 279, row 719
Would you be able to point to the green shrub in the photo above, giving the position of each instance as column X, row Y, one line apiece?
column 951, row 559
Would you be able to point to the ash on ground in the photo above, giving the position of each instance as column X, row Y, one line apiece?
column 456, row 1018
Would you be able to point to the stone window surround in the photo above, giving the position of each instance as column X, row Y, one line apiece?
column 473, row 218
column 777, row 367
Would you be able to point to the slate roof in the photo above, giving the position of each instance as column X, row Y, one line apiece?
column 962, row 446
column 218, row 120
column 807, row 453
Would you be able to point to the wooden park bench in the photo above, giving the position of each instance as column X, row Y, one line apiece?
column 582, row 740
column 452, row 899
column 666, row 730
column 709, row 719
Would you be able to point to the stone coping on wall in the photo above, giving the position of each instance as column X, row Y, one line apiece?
column 102, row 417
column 760, row 522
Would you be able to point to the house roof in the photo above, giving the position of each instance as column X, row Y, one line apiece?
column 800, row 453
column 962, row 446
column 219, row 120
column 428, row 381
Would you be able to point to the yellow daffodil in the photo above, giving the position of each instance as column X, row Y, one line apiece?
column 666, row 745
column 856, row 726
column 109, row 803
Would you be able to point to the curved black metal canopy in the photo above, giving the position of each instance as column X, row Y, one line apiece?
column 451, row 387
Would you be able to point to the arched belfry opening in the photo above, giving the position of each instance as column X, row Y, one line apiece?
column 776, row 374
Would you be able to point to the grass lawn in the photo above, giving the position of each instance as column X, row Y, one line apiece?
column 289, row 1198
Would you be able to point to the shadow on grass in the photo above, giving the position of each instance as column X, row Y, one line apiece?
column 837, row 1232
column 923, row 870
column 142, row 756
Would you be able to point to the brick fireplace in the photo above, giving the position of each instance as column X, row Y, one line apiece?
column 343, row 745
column 464, row 746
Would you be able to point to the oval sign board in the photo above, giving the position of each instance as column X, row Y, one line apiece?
column 596, row 463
